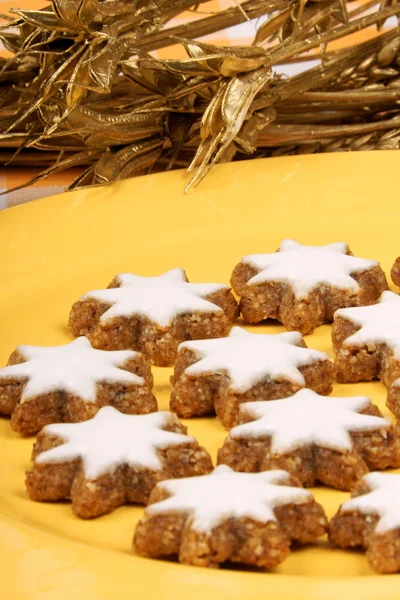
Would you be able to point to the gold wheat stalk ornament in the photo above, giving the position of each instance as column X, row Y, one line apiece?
column 83, row 86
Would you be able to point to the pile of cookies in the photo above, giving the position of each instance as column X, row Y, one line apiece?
column 102, row 442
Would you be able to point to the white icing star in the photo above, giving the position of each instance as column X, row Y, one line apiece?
column 306, row 267
column 112, row 438
column 307, row 418
column 224, row 494
column 75, row 368
column 248, row 358
column 383, row 501
column 380, row 323
column 160, row 299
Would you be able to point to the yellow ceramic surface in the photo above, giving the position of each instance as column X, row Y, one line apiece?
column 53, row 250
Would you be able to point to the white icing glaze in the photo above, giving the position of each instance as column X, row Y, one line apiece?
column 306, row 267
column 307, row 418
column 380, row 323
column 75, row 368
column 210, row 500
column 160, row 299
column 112, row 438
column 248, row 358
column 383, row 500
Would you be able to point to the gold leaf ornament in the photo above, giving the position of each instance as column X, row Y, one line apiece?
column 83, row 88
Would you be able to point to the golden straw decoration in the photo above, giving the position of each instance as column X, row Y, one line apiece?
column 82, row 86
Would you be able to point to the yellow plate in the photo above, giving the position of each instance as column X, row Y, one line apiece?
column 53, row 250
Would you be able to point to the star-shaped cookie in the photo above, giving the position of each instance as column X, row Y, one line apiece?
column 316, row 438
column 302, row 286
column 111, row 459
column 366, row 341
column 240, row 517
column 372, row 519
column 44, row 385
column 220, row 374
column 153, row 314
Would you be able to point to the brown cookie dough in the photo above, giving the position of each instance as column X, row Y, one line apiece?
column 371, row 520
column 153, row 315
column 71, row 383
column 111, row 460
column 229, row 517
column 303, row 286
column 219, row 375
column 315, row 438
column 366, row 341
column 395, row 272
column 393, row 398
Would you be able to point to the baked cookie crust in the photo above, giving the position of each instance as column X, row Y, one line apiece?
column 153, row 315
column 111, row 460
column 71, row 383
column 205, row 522
column 217, row 376
column 334, row 441
column 366, row 342
column 303, row 286
column 371, row 520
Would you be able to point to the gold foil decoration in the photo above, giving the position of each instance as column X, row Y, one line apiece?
column 82, row 86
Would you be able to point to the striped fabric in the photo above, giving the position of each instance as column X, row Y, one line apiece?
column 13, row 176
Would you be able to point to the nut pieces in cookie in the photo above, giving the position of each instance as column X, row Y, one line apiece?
column 371, row 519
column 366, row 341
column 111, row 459
column 395, row 272
column 227, row 516
column 315, row 438
column 70, row 383
column 153, row 314
column 220, row 374
column 302, row 286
